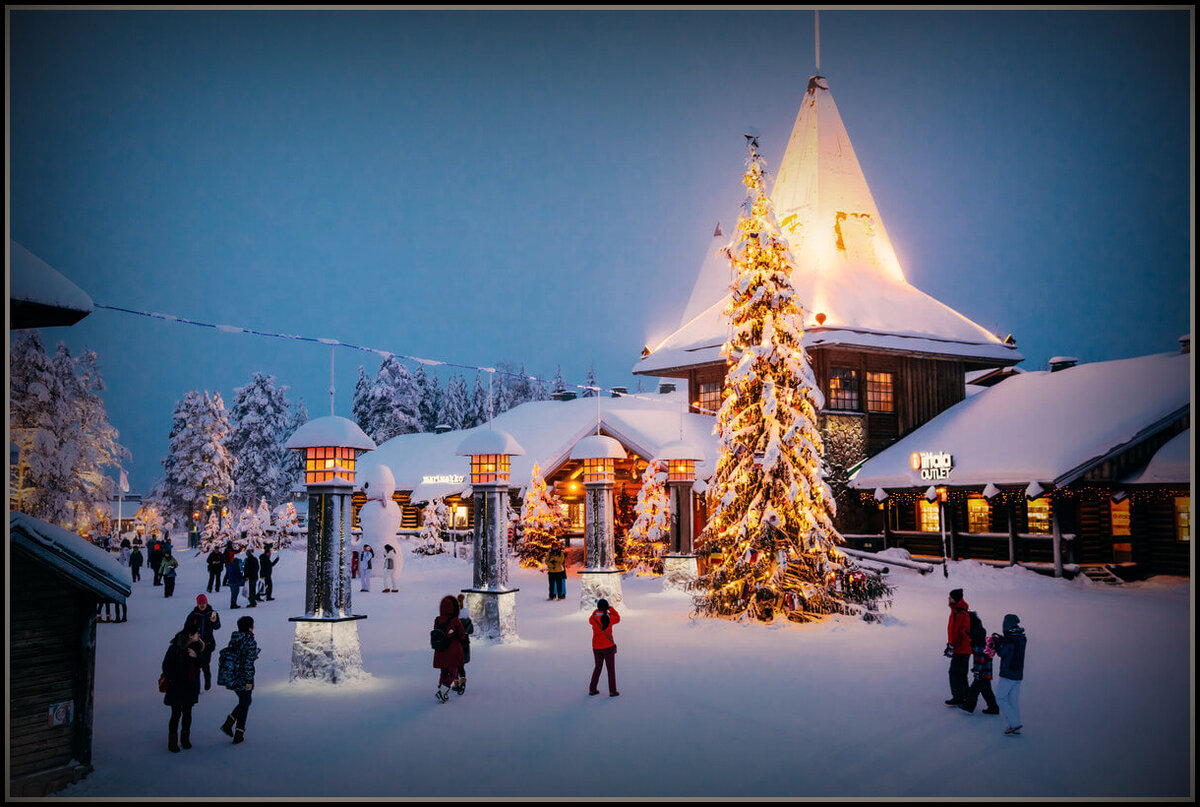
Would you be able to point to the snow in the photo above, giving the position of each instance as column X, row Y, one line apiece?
column 94, row 568
column 708, row 708
column 1042, row 426
column 33, row 280
column 1170, row 465
column 330, row 430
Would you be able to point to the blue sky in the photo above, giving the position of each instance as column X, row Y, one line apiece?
column 475, row 187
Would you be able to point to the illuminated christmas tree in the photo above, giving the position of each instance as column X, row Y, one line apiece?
column 770, row 524
column 647, row 538
column 210, row 536
column 542, row 521
column 435, row 520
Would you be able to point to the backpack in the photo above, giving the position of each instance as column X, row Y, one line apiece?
column 438, row 639
column 225, row 667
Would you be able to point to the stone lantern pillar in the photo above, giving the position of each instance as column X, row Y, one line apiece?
column 490, row 602
column 679, row 565
column 600, row 578
column 326, row 644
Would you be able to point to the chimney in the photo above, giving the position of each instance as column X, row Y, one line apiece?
column 1185, row 343
column 567, row 396
column 441, row 428
column 1062, row 363
column 617, row 392
column 665, row 386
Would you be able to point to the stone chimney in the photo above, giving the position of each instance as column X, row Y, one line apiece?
column 1062, row 363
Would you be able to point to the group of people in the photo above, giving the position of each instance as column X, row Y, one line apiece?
column 970, row 648
column 241, row 568
column 187, row 663
column 362, row 567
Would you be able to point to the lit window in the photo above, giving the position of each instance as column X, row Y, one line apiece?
column 1183, row 518
column 1120, row 517
column 1039, row 516
column 843, row 389
column 598, row 470
column 879, row 393
column 681, row 470
column 487, row 468
column 319, row 463
column 574, row 512
column 460, row 517
column 979, row 513
column 710, row 396
column 928, row 518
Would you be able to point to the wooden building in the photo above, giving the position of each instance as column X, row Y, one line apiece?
column 56, row 579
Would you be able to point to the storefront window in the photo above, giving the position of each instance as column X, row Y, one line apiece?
column 1120, row 517
column 1183, row 518
column 928, row 518
column 979, row 513
column 709, row 398
column 843, row 389
column 1039, row 516
column 459, row 517
column 573, row 512
column 879, row 393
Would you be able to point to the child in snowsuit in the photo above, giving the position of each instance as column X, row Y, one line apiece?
column 981, row 669
column 448, row 660
column 181, row 669
column 237, row 674
column 604, row 649
column 1011, row 649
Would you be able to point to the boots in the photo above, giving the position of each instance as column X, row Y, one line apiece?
column 185, row 738
column 460, row 684
column 173, row 743
column 227, row 726
column 443, row 693
column 239, row 736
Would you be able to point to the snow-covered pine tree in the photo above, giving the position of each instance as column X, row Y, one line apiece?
column 430, row 401
column 99, row 448
column 229, row 529
column 293, row 461
column 589, row 381
column 210, row 535
column 477, row 410
column 646, row 542
column 259, row 424
column 770, row 513
column 542, row 521
column 360, row 405
column 559, row 386
column 287, row 521
column 455, row 403
column 394, row 402
column 198, row 464
column 435, row 521
column 152, row 521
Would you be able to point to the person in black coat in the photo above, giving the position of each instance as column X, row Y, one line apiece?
column 250, row 572
column 216, row 565
column 135, row 562
column 155, row 559
column 265, row 564
column 209, row 621
column 181, row 669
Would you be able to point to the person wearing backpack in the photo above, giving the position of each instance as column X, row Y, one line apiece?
column 981, row 669
column 604, row 649
column 235, row 672
column 460, row 683
column 166, row 571
column 446, row 639
column 1011, row 649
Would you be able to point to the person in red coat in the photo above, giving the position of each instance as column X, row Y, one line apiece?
column 448, row 660
column 604, row 649
column 958, row 647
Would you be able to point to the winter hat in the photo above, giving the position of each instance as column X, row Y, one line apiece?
column 1011, row 623
column 956, row 595
column 201, row 599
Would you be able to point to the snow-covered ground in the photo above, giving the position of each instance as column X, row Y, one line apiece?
column 708, row 708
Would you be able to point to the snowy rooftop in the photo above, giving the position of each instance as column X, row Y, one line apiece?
column 42, row 292
column 330, row 430
column 1042, row 426
column 846, row 266
column 69, row 554
column 428, row 464
column 1170, row 465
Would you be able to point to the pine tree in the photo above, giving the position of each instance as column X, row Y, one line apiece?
column 394, row 402
column 590, row 381
column 198, row 464
column 770, row 512
column 435, row 521
column 542, row 521
column 477, row 411
column 293, row 461
column 259, row 424
column 455, row 403
column 360, row 406
column 430, row 395
column 647, row 540
column 286, row 522
column 210, row 536
column 560, row 386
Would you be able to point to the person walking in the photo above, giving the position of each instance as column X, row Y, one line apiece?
column 981, row 669
column 392, row 563
column 155, row 558
column 1011, row 649
column 135, row 563
column 210, row 621
column 166, row 571
column 236, row 673
column 265, row 564
column 250, row 572
column 180, row 673
column 233, row 579
column 604, row 649
column 216, row 567
column 448, row 657
column 556, row 571
column 230, row 555
column 124, row 553
column 958, row 646
column 365, row 566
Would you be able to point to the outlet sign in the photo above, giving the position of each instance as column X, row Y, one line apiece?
column 933, row 465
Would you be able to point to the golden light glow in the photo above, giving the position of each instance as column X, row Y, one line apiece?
column 320, row 461
column 681, row 471
column 487, row 468
column 599, row 470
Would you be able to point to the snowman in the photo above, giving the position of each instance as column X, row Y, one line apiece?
column 380, row 519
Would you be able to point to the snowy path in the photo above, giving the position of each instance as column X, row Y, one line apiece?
column 707, row 708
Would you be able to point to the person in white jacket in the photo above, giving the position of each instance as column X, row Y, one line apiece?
column 392, row 564
column 364, row 566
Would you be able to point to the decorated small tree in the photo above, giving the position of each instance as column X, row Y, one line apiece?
column 210, row 535
column 286, row 523
column 647, row 539
column 435, row 520
column 770, row 525
column 151, row 520
column 541, row 521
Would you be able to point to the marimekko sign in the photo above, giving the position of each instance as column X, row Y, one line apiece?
column 443, row 479
column 933, row 465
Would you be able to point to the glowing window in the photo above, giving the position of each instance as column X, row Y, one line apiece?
column 487, row 468
column 843, row 389
column 598, row 470
column 681, row 470
column 319, row 463
column 1039, row 516
column 710, row 396
column 979, row 514
column 928, row 517
column 879, row 393
column 1120, row 517
column 1183, row 518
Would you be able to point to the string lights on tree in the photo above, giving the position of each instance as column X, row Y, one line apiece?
column 770, row 536
column 542, row 521
column 647, row 539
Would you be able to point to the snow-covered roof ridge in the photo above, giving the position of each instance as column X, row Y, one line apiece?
column 32, row 280
column 71, row 555
column 1170, row 465
column 1047, row 427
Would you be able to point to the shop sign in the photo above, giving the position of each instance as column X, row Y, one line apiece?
column 61, row 713
column 443, row 479
column 933, row 465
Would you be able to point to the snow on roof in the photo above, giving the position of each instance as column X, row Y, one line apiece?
column 489, row 441
column 68, row 553
column 598, row 447
column 845, row 269
column 1042, row 426
column 32, row 280
column 429, row 465
column 330, row 430
column 1170, row 465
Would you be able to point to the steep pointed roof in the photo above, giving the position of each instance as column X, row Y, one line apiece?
column 847, row 275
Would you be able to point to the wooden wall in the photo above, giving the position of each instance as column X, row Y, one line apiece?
column 1152, row 528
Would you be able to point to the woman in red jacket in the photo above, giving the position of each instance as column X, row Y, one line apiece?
column 604, row 649
column 449, row 659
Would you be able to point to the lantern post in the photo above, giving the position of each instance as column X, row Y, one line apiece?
column 326, row 646
column 600, row 578
column 679, row 565
column 490, row 601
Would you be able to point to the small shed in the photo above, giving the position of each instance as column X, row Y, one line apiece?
column 56, row 579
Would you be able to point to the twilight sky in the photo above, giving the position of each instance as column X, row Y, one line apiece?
column 476, row 187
